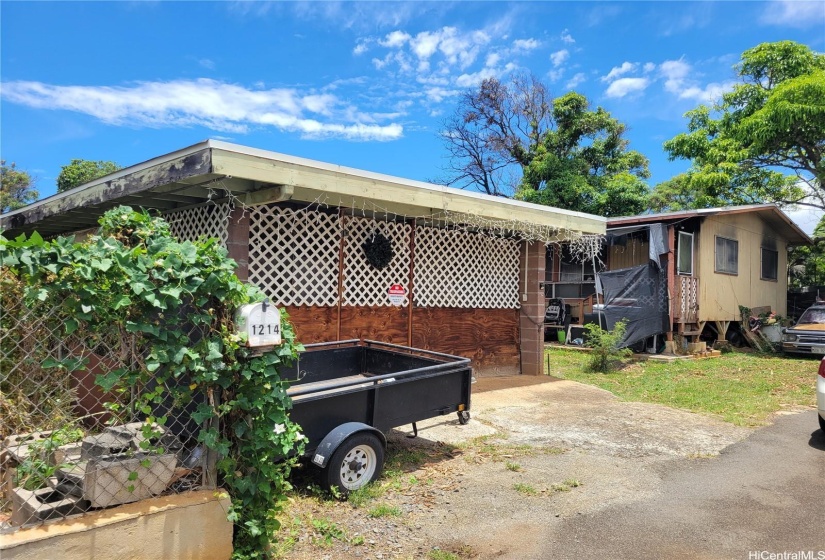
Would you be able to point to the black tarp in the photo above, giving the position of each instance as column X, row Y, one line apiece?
column 638, row 295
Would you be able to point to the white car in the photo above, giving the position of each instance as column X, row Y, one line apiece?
column 820, row 394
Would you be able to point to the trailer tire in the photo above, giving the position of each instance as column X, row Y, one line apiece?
column 355, row 463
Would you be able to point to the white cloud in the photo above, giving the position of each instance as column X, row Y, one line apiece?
column 675, row 73
column 207, row 63
column 472, row 80
column 576, row 81
column 618, row 71
column 203, row 102
column 360, row 48
column 492, row 59
column 649, row 67
column 566, row 37
column 526, row 44
column 794, row 13
column 626, row 86
column 558, row 57
column 707, row 94
column 395, row 39
column 439, row 94
column 425, row 43
column 555, row 75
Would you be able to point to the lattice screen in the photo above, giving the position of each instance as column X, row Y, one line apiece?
column 363, row 283
column 459, row 269
column 210, row 220
column 293, row 255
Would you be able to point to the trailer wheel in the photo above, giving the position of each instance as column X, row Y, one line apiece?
column 358, row 461
column 463, row 417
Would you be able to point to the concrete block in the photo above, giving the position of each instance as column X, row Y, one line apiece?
column 45, row 503
column 159, row 436
column 697, row 347
column 113, row 480
column 18, row 445
column 104, row 444
column 70, row 477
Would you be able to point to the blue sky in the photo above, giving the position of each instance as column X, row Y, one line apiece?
column 365, row 85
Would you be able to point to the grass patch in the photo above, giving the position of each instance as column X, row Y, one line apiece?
column 566, row 486
column 741, row 388
column 384, row 510
column 515, row 467
column 525, row 489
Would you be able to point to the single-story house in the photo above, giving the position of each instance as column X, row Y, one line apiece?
column 708, row 262
column 466, row 269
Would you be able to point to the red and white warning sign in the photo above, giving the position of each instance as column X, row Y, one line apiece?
column 397, row 293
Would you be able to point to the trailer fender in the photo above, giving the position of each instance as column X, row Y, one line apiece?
column 337, row 436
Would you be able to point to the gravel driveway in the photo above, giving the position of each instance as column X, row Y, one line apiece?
column 533, row 458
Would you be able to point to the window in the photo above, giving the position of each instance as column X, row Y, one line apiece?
column 727, row 255
column 685, row 263
column 770, row 264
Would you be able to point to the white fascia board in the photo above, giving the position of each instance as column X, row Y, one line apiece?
column 335, row 184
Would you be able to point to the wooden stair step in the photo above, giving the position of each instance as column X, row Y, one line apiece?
column 689, row 333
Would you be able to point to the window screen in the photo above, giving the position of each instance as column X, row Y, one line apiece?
column 770, row 264
column 685, row 263
column 727, row 255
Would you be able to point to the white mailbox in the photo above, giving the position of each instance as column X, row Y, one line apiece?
column 261, row 322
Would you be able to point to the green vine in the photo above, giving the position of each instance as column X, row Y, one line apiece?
column 178, row 300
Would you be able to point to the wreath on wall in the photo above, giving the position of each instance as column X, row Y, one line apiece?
column 378, row 250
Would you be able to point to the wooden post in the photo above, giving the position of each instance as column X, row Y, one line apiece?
column 411, row 286
column 237, row 242
column 342, row 221
column 671, row 277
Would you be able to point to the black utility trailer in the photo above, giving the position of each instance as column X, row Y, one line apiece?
column 346, row 394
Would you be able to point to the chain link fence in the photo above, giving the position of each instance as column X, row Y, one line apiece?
column 68, row 447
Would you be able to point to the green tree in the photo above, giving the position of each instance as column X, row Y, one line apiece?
column 16, row 188
column 806, row 264
column 515, row 139
column 762, row 142
column 81, row 171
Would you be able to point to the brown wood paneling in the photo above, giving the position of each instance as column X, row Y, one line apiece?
column 387, row 324
column 490, row 337
column 314, row 323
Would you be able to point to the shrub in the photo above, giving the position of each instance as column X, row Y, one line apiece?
column 607, row 351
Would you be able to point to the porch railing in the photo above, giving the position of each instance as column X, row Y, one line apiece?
column 686, row 304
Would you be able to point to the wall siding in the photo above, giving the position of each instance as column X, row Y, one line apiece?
column 720, row 295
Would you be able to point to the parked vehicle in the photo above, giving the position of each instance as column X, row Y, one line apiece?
column 820, row 394
column 346, row 394
column 807, row 336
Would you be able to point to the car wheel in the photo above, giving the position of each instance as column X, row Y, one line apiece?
column 358, row 461
column 821, row 423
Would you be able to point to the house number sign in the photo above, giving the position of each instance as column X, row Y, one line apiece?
column 261, row 322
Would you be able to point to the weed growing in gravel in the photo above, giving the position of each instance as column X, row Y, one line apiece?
column 326, row 531
column 566, row 486
column 365, row 494
column 438, row 554
column 525, row 489
column 384, row 510
column 515, row 467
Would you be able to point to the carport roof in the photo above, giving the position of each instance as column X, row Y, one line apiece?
column 212, row 170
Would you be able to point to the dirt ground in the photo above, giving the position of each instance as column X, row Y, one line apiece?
column 537, row 451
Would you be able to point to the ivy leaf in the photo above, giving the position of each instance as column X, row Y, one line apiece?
column 203, row 413
column 214, row 351
column 122, row 301
column 70, row 325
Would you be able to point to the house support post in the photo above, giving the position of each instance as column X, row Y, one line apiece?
column 237, row 243
column 531, row 314
column 670, row 260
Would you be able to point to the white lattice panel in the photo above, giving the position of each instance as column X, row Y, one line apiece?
column 363, row 283
column 461, row 269
column 293, row 255
column 191, row 224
